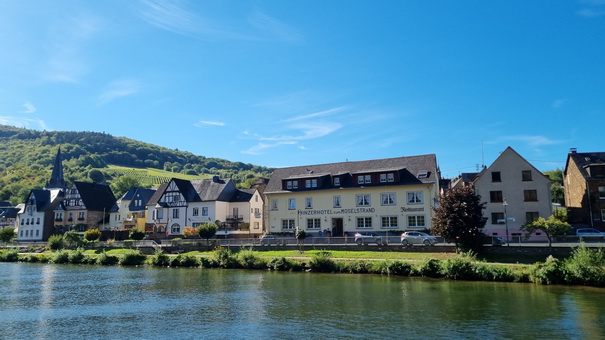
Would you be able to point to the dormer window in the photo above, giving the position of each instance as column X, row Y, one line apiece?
column 311, row 183
column 389, row 177
column 364, row 179
column 423, row 174
column 292, row 185
column 336, row 181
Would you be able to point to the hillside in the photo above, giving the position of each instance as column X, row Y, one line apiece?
column 26, row 158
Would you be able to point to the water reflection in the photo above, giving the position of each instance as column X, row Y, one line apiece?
column 75, row 302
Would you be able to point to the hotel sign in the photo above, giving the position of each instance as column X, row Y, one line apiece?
column 351, row 211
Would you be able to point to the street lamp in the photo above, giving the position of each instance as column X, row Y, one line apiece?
column 506, row 222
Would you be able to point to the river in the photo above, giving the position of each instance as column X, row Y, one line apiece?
column 45, row 301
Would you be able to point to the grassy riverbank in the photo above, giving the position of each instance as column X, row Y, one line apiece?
column 584, row 267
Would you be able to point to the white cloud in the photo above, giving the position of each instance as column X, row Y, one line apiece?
column 203, row 123
column 592, row 8
column 533, row 141
column 259, row 148
column 37, row 124
column 274, row 27
column 28, row 108
column 119, row 88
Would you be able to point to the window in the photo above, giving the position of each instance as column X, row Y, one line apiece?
column 71, row 216
column 526, row 175
column 388, row 199
column 159, row 214
column 495, row 196
column 291, row 203
column 364, row 222
column 602, row 192
column 603, row 215
column 415, row 197
column 38, row 221
column 314, row 223
column 531, row 216
column 384, row 178
column 336, row 200
column 423, row 174
column 274, row 204
column 530, row 195
column 496, row 176
column 336, row 181
column 311, row 183
column 256, row 225
column 363, row 200
column 196, row 211
column 308, row 202
column 287, row 224
column 204, row 211
column 498, row 218
column 389, row 222
column 37, row 232
column 416, row 221
column 364, row 179
column 175, row 213
column 292, row 184
column 175, row 228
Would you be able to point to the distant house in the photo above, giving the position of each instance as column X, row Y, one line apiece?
column 85, row 206
column 8, row 215
column 130, row 210
column 182, row 203
column 36, row 220
column 584, row 185
column 515, row 193
column 382, row 196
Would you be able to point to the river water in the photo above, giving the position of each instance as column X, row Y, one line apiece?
column 45, row 301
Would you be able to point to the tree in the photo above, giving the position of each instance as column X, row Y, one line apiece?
column 120, row 186
column 96, row 176
column 7, row 235
column 72, row 238
column 207, row 231
column 300, row 235
column 557, row 194
column 459, row 217
column 92, row 234
column 551, row 227
column 137, row 234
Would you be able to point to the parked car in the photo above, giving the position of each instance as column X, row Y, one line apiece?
column 270, row 239
column 367, row 238
column 498, row 241
column 589, row 232
column 415, row 237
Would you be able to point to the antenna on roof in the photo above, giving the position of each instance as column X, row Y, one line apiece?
column 482, row 154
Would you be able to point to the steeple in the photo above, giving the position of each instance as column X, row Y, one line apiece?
column 56, row 178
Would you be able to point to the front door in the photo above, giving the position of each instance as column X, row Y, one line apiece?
column 337, row 227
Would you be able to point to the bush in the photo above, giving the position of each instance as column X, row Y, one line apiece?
column 55, row 242
column 249, row 260
column 9, row 255
column 190, row 232
column 279, row 264
column 548, row 272
column 61, row 256
column 429, row 268
column 7, row 234
column 106, row 259
column 355, row 267
column 392, row 268
column 76, row 256
column 184, row 261
column 322, row 262
column 136, row 234
column 460, row 267
column 160, row 259
column 493, row 272
column 92, row 235
column 225, row 259
column 72, row 239
column 585, row 266
column 132, row 258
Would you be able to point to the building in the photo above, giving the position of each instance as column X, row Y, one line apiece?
column 515, row 193
column 84, row 206
column 180, row 203
column 338, row 199
column 130, row 211
column 8, row 215
column 584, row 186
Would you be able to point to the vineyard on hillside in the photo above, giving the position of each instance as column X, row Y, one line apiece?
column 148, row 176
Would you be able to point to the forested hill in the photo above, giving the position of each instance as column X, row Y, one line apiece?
column 26, row 158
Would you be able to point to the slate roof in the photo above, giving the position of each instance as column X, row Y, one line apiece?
column 42, row 198
column 8, row 212
column 144, row 194
column 585, row 159
column 243, row 195
column 409, row 166
column 215, row 189
column 96, row 197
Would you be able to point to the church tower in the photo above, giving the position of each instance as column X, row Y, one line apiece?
column 56, row 178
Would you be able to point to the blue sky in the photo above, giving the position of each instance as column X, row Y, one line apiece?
column 286, row 83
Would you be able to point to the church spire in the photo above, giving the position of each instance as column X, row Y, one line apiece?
column 56, row 178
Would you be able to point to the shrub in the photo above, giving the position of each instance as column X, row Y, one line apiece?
column 458, row 268
column 322, row 262
column 279, row 264
column 190, row 232
column 76, row 256
column 249, row 260
column 355, row 267
column 224, row 258
column 493, row 272
column 392, row 268
column 73, row 239
column 429, row 268
column 160, row 259
column 92, row 234
column 55, row 242
column 9, row 255
column 32, row 258
column 184, row 261
column 585, row 266
column 548, row 272
column 7, row 234
column 61, row 256
column 107, row 259
column 132, row 258
column 136, row 234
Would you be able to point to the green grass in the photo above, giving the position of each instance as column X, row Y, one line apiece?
column 343, row 255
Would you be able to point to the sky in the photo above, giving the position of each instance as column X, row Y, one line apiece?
column 290, row 83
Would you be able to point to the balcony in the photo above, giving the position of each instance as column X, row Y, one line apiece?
column 235, row 217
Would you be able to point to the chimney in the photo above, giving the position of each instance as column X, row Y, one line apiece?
column 215, row 179
column 573, row 150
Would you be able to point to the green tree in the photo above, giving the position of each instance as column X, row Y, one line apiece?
column 7, row 234
column 300, row 235
column 96, row 176
column 557, row 194
column 459, row 217
column 120, row 186
column 207, row 231
column 551, row 227
column 72, row 238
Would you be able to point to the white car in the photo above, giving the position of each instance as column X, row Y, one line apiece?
column 367, row 238
column 270, row 239
column 415, row 237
